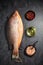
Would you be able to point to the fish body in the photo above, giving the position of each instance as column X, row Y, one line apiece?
column 15, row 33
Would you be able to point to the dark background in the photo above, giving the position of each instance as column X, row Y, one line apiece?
column 7, row 7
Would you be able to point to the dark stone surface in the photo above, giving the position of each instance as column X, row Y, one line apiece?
column 7, row 7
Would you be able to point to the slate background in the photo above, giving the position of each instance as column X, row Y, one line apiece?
column 7, row 7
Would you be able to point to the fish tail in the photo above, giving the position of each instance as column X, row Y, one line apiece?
column 16, row 57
